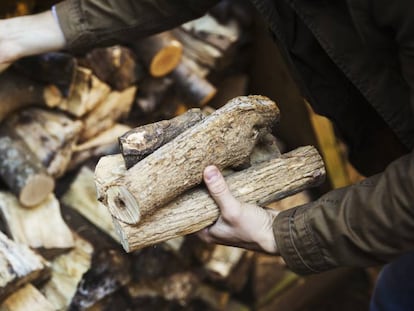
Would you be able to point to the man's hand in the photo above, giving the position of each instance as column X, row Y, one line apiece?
column 242, row 225
column 29, row 35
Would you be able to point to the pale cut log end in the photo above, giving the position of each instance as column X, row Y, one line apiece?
column 122, row 205
column 166, row 60
column 36, row 190
column 121, row 235
column 52, row 96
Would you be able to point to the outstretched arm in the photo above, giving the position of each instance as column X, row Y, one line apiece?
column 29, row 35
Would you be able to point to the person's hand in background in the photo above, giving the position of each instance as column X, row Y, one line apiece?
column 29, row 35
column 241, row 225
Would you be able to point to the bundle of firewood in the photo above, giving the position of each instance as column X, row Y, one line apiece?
column 146, row 106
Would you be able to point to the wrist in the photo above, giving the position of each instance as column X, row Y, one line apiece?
column 29, row 35
column 268, row 240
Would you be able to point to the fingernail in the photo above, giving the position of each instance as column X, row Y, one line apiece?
column 211, row 173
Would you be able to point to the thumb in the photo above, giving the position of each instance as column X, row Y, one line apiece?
column 229, row 206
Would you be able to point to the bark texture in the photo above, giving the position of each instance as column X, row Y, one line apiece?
column 225, row 138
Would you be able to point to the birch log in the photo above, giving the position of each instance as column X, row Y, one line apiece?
column 225, row 138
column 19, row 265
column 194, row 210
column 137, row 143
column 22, row 171
column 161, row 53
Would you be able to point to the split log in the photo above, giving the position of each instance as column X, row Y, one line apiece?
column 50, row 135
column 225, row 138
column 152, row 92
column 202, row 52
column 105, row 115
column 223, row 260
column 208, row 29
column 85, row 94
column 193, row 211
column 144, row 140
column 27, row 298
column 104, row 144
column 22, row 171
column 55, row 68
column 191, row 86
column 115, row 65
column 18, row 91
column 40, row 227
column 81, row 196
column 67, row 272
column 19, row 265
column 160, row 53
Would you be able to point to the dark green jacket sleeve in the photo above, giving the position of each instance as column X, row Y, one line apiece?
column 368, row 223
column 371, row 222
column 88, row 23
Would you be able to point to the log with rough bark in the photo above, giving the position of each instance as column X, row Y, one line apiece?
column 160, row 53
column 67, row 272
column 27, row 298
column 225, row 138
column 18, row 91
column 21, row 170
column 144, row 140
column 103, row 144
column 50, row 135
column 152, row 92
column 40, row 227
column 19, row 265
column 86, row 92
column 105, row 115
column 192, row 87
column 55, row 68
column 193, row 211
column 115, row 65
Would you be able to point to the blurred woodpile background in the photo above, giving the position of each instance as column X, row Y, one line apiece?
column 59, row 113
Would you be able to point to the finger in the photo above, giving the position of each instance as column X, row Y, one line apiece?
column 205, row 235
column 230, row 207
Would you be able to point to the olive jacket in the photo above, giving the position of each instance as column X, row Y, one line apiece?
column 354, row 62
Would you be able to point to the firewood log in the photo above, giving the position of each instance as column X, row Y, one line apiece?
column 115, row 106
column 223, row 260
column 115, row 65
column 208, row 29
column 152, row 92
column 81, row 196
column 144, row 140
column 86, row 92
column 27, row 298
column 50, row 135
column 19, row 265
column 191, row 86
column 67, row 273
column 40, row 227
column 192, row 211
column 224, row 138
column 55, row 68
column 160, row 53
column 103, row 144
column 22, row 171
column 18, row 91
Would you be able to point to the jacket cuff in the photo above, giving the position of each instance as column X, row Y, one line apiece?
column 73, row 25
column 296, row 242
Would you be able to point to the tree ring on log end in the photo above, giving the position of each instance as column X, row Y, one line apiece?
column 166, row 59
column 122, row 205
column 36, row 190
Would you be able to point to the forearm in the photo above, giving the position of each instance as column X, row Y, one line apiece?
column 29, row 35
column 366, row 224
column 87, row 23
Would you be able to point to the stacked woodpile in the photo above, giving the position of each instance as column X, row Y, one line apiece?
column 61, row 247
